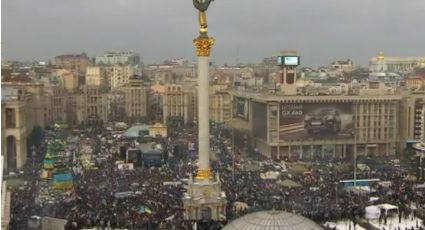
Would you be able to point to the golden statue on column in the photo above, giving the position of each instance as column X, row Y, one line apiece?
column 203, row 43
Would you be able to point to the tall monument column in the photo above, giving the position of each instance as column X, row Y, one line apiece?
column 203, row 46
column 204, row 198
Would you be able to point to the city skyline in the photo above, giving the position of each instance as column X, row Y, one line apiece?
column 248, row 31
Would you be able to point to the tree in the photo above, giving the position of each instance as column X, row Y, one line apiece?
column 35, row 138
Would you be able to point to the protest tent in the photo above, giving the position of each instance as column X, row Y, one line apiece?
column 48, row 163
column 45, row 174
column 144, row 209
column 372, row 212
column 63, row 181
column 124, row 194
column 289, row 183
column 270, row 175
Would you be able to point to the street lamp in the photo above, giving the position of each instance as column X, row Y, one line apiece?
column 355, row 148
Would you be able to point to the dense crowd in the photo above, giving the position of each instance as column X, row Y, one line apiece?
column 104, row 196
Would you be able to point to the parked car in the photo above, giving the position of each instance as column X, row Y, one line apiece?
column 327, row 120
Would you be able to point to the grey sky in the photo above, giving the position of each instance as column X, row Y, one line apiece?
column 320, row 30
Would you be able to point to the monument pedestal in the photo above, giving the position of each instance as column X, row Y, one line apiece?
column 204, row 200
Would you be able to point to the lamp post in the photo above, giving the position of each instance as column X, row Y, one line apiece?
column 233, row 153
column 355, row 147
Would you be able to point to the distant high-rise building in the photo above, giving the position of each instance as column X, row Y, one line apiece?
column 96, row 76
column 119, row 75
column 78, row 62
column 118, row 58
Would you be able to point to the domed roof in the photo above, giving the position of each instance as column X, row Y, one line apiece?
column 272, row 220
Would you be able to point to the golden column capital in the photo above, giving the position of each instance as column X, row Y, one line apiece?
column 203, row 174
column 203, row 45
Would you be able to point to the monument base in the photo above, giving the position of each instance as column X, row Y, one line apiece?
column 204, row 200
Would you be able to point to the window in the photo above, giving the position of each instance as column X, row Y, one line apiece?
column 10, row 118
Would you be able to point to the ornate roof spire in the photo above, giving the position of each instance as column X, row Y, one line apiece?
column 381, row 56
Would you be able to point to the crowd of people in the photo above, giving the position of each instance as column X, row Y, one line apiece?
column 105, row 196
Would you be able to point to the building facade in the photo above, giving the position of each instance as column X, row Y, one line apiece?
column 56, row 104
column 67, row 79
column 136, row 97
column 15, row 110
column 94, row 105
column 179, row 104
column 220, row 104
column 156, row 101
column 96, row 76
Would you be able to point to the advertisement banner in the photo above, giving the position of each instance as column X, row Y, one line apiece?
column 300, row 121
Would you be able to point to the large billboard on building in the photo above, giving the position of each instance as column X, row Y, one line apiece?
column 240, row 107
column 302, row 121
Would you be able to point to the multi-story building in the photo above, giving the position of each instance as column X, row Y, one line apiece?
column 155, row 101
column 411, row 116
column 415, row 81
column 136, row 96
column 383, row 63
column 420, row 149
column 319, row 126
column 118, row 58
column 116, row 105
column 37, row 101
column 344, row 66
column 67, row 79
column 96, row 76
column 179, row 104
column 95, row 105
column 77, row 62
column 119, row 75
column 15, row 128
column 220, row 104
column 55, row 104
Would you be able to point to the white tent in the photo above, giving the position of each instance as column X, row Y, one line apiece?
column 372, row 212
column 361, row 189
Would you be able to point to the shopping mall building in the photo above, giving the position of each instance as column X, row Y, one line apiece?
column 318, row 126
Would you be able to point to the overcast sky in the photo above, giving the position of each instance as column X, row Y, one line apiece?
column 320, row 30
